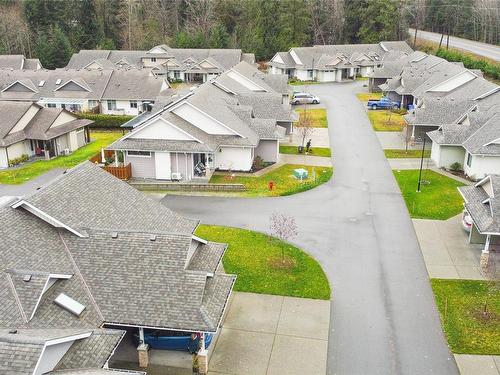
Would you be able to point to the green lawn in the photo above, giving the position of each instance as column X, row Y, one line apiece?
column 365, row 96
column 32, row 170
column 318, row 116
column 284, row 181
column 469, row 331
column 314, row 151
column 385, row 121
column 302, row 83
column 401, row 154
column 439, row 199
column 256, row 259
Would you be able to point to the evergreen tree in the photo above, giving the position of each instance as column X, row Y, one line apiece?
column 379, row 23
column 219, row 37
column 53, row 48
column 267, row 29
column 355, row 14
column 295, row 24
column 86, row 28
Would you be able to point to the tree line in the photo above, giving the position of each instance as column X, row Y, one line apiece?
column 53, row 29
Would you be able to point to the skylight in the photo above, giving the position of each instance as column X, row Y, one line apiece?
column 41, row 83
column 58, row 82
column 69, row 304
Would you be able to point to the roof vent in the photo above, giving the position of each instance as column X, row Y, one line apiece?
column 41, row 83
column 13, row 331
column 58, row 82
column 26, row 278
column 114, row 235
column 152, row 237
column 69, row 304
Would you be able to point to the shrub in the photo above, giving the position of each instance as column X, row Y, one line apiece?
column 102, row 121
column 175, row 80
column 456, row 167
column 16, row 161
column 258, row 163
column 490, row 69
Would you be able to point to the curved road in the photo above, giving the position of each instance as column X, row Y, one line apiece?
column 384, row 319
column 482, row 49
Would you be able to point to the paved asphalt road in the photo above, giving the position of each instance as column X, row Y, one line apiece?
column 384, row 319
column 482, row 49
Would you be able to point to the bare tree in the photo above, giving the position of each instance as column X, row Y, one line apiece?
column 490, row 274
column 305, row 126
column 283, row 227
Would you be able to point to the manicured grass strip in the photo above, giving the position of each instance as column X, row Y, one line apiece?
column 385, row 121
column 317, row 115
column 365, row 96
column 257, row 260
column 461, row 306
column 32, row 170
column 402, row 154
column 284, row 181
column 439, row 199
column 292, row 82
column 314, row 151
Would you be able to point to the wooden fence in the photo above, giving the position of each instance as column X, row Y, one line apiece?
column 123, row 173
column 97, row 157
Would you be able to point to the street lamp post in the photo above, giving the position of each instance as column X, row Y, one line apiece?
column 421, row 165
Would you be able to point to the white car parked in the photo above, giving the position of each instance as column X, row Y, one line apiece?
column 304, row 98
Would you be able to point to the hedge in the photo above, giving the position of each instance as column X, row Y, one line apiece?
column 489, row 69
column 105, row 121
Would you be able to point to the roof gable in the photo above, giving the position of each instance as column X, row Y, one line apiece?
column 73, row 85
column 21, row 86
column 160, row 128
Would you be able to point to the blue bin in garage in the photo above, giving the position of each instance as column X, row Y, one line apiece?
column 300, row 173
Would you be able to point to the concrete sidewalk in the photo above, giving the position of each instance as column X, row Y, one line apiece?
column 478, row 364
column 446, row 250
column 314, row 161
column 319, row 138
column 270, row 335
column 409, row 163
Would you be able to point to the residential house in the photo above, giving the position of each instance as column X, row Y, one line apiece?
column 472, row 141
column 31, row 130
column 333, row 63
column 19, row 62
column 482, row 202
column 125, row 92
column 94, row 263
column 185, row 64
column 224, row 124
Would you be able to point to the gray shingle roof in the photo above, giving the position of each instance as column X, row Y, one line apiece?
column 133, row 263
column 141, row 213
column 11, row 61
column 39, row 127
column 224, row 58
column 438, row 111
column 207, row 257
column 483, row 208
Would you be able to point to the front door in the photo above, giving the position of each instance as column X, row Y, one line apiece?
column 162, row 165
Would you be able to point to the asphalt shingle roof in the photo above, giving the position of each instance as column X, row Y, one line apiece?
column 483, row 208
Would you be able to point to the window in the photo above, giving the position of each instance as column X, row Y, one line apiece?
column 63, row 106
column 144, row 154
column 51, row 105
column 133, row 104
column 469, row 160
column 177, row 74
column 153, row 59
column 310, row 73
column 111, row 105
column 93, row 103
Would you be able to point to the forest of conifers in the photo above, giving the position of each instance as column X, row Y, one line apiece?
column 53, row 29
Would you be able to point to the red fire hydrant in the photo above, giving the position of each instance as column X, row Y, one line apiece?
column 271, row 185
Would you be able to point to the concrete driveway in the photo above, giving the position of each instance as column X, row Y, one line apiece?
column 271, row 335
column 446, row 249
column 384, row 320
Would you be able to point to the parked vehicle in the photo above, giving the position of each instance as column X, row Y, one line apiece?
column 172, row 340
column 466, row 221
column 304, row 98
column 383, row 103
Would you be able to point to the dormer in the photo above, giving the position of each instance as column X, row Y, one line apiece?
column 160, row 49
column 160, row 128
column 73, row 85
column 30, row 287
column 22, row 85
